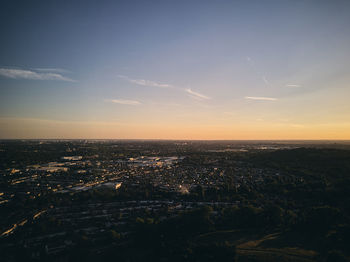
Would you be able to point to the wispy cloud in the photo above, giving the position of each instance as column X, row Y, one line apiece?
column 33, row 75
column 125, row 102
column 261, row 98
column 143, row 82
column 196, row 95
column 251, row 63
column 52, row 70
column 293, row 85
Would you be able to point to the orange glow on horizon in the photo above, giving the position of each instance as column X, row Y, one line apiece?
column 47, row 129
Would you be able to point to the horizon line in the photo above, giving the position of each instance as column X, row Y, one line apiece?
column 170, row 139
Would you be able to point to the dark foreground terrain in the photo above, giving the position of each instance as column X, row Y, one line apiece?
column 174, row 201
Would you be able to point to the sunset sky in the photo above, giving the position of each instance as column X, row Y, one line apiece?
column 175, row 69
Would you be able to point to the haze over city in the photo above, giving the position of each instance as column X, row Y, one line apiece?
column 175, row 69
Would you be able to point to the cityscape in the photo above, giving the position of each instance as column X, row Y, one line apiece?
column 175, row 131
column 98, row 198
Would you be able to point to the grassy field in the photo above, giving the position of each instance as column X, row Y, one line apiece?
column 252, row 246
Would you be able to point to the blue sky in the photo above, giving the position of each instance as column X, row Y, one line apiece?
column 175, row 69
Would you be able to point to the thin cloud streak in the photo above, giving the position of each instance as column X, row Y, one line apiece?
column 52, row 70
column 32, row 75
column 262, row 98
column 126, row 102
column 251, row 63
column 196, row 95
column 143, row 82
column 293, row 85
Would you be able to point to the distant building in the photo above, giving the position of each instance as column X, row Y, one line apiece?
column 72, row 158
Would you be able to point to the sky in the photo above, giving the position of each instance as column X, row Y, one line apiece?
column 175, row 69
